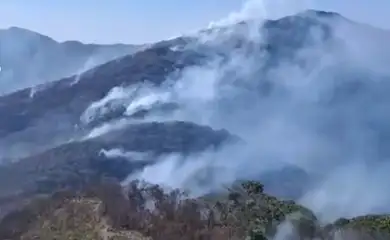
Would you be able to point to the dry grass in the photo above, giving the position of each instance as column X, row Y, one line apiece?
column 108, row 212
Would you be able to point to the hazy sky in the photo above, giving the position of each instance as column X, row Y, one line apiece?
column 137, row 21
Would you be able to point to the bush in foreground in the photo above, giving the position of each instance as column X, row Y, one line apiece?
column 143, row 211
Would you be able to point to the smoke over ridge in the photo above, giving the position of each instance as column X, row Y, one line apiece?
column 307, row 91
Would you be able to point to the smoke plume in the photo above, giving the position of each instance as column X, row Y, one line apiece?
column 317, row 100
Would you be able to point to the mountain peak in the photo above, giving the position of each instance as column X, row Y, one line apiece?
column 19, row 30
column 320, row 14
column 22, row 33
column 14, row 28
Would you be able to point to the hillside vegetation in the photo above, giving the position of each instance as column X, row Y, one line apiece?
column 143, row 211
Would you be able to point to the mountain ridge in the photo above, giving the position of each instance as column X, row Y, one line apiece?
column 292, row 94
column 70, row 96
column 28, row 58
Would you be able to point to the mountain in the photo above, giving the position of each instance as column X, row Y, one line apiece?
column 27, row 109
column 115, row 154
column 39, row 110
column 298, row 103
column 28, row 58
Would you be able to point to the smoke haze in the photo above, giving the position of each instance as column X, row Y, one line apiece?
column 319, row 105
column 306, row 94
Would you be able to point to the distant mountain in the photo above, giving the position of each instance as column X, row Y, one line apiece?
column 55, row 111
column 28, row 58
column 292, row 90
column 39, row 110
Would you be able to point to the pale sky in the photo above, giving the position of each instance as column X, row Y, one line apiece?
column 138, row 21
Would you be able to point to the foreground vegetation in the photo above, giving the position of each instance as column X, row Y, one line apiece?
column 106, row 211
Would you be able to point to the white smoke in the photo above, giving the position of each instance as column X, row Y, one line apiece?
column 116, row 97
column 89, row 64
column 323, row 109
column 121, row 153
column 131, row 99
column 106, row 128
column 261, row 10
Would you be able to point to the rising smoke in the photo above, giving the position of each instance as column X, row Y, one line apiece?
column 322, row 108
